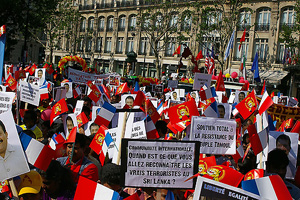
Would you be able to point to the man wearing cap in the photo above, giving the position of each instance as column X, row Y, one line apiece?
column 30, row 187
column 79, row 164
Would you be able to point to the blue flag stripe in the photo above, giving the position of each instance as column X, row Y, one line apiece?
column 25, row 140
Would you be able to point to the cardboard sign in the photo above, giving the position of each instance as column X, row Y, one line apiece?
column 14, row 162
column 78, row 107
column 138, row 130
column 116, row 136
column 83, row 77
column 6, row 99
column 158, row 88
column 216, row 136
column 172, row 83
column 158, row 163
column 68, row 88
column 200, row 80
column 29, row 93
column 217, row 190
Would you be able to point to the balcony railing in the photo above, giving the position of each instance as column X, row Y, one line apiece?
column 119, row 52
column 242, row 27
column 290, row 25
column 101, row 29
column 105, row 5
column 132, row 28
column 121, row 28
column 110, row 29
column 86, row 7
column 262, row 27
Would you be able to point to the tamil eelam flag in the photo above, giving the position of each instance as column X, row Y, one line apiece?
column 90, row 190
column 11, row 83
column 105, row 114
column 123, row 88
column 81, row 119
column 247, row 106
column 59, row 108
column 151, row 111
column 38, row 154
column 269, row 187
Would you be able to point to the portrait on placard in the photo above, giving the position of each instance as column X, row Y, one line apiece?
column 33, row 80
column 231, row 98
column 40, row 73
column 224, row 110
column 95, row 111
column 7, row 71
column 288, row 142
column 283, row 100
column 240, row 96
column 114, row 80
column 69, row 121
column 12, row 158
column 195, row 95
column 68, row 88
column 2, row 88
column 127, row 99
column 175, row 96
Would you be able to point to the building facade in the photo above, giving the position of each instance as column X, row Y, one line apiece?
column 109, row 30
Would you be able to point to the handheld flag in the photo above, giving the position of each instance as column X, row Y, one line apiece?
column 150, row 128
column 247, row 106
column 177, row 51
column 11, row 83
column 81, row 119
column 59, row 108
column 265, row 103
column 199, row 55
column 220, row 83
column 105, row 114
column 258, row 140
column 254, row 174
column 122, row 88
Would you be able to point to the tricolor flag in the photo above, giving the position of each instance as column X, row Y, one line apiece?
column 239, row 153
column 105, row 91
column 76, row 92
column 211, row 109
column 57, row 139
column 37, row 153
column 269, row 187
column 105, row 114
column 205, row 93
column 177, row 51
column 90, row 190
column 150, row 128
column 258, row 141
column 254, row 174
column 265, row 103
column 161, row 107
column 59, row 108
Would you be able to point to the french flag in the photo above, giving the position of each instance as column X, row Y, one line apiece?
column 76, row 92
column 57, row 139
column 206, row 93
column 258, row 141
column 212, row 110
column 270, row 187
column 105, row 114
column 265, row 103
column 239, row 153
column 37, row 153
column 161, row 107
column 150, row 128
column 90, row 190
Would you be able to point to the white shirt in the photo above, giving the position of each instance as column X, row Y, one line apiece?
column 13, row 164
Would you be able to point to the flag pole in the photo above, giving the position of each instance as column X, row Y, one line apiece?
column 13, row 188
column 122, row 136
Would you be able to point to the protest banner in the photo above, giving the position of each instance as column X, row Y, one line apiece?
column 216, row 136
column 83, row 77
column 281, row 113
column 6, row 99
column 172, row 83
column 158, row 163
column 209, row 188
column 29, row 93
column 200, row 80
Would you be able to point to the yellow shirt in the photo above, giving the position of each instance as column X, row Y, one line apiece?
column 36, row 130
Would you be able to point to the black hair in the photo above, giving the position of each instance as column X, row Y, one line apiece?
column 81, row 140
column 69, row 118
column 29, row 133
column 86, row 109
column 30, row 115
column 110, row 174
column 94, row 124
column 162, row 126
column 277, row 159
column 129, row 97
column 2, row 126
column 221, row 106
column 284, row 137
column 86, row 98
column 242, row 93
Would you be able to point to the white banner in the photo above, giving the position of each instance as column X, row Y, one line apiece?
column 6, row 99
column 29, row 93
column 200, row 80
column 83, row 77
column 159, row 164
column 216, row 136
column 138, row 130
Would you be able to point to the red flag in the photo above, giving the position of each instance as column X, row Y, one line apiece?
column 140, row 100
column 265, row 103
column 245, row 86
column 183, row 112
column 199, row 55
column 224, row 99
column 220, row 83
column 151, row 111
column 98, row 140
column 72, row 136
column 11, row 83
column 135, row 196
column 272, row 95
column 254, row 174
column 81, row 119
column 258, row 140
column 247, row 106
column 281, row 127
column 296, row 128
column 49, row 68
column 32, row 69
column 59, row 108
column 263, row 88
column 122, row 88
column 95, row 94
column 20, row 74
column 177, row 51
column 2, row 30
column 205, row 163
column 289, row 123
column 243, row 38
column 27, row 68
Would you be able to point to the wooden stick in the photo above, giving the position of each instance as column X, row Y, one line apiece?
column 122, row 136
column 158, row 194
column 13, row 188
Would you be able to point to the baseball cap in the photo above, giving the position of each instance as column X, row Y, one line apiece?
column 31, row 183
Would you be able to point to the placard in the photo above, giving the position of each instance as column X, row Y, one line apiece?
column 158, row 88
column 158, row 163
column 216, row 136
column 29, row 93
column 217, row 190
column 138, row 130
column 172, row 83
column 78, row 107
column 6, row 99
column 200, row 80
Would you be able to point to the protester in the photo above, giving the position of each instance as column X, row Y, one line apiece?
column 30, row 187
column 30, row 120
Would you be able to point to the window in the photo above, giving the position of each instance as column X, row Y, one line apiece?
column 81, row 44
column 101, row 24
column 132, row 23
column 89, row 44
column 152, row 50
column 173, row 20
column 207, row 45
column 110, row 24
column 262, row 48
column 186, row 24
column 143, row 46
column 122, row 20
column 288, row 16
column 120, row 45
column 183, row 45
column 108, row 45
column 99, row 44
column 67, row 45
column 244, row 20
column 170, row 47
column 263, row 19
column 130, row 44
column 244, row 49
column 146, row 23
column 91, row 24
column 213, row 17
column 158, row 21
column 82, row 25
